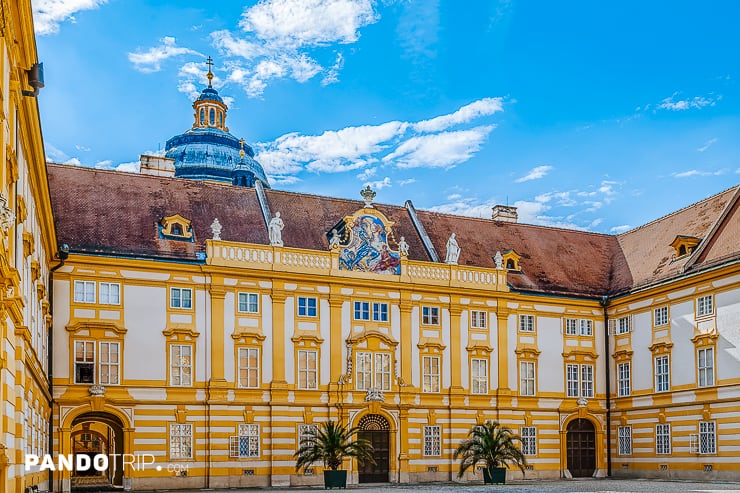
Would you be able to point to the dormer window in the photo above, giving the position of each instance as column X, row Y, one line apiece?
column 685, row 245
column 511, row 260
column 176, row 228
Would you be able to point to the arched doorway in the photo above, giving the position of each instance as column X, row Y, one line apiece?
column 377, row 431
column 98, row 433
column 580, row 444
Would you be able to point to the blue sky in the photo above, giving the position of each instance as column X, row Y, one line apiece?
column 584, row 115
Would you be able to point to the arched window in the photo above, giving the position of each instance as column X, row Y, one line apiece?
column 202, row 116
column 510, row 264
column 213, row 116
column 220, row 119
column 176, row 229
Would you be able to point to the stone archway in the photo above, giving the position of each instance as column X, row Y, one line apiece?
column 98, row 433
column 580, row 447
column 376, row 429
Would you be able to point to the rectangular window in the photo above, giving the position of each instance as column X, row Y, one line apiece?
column 249, row 367
column 478, row 319
column 707, row 438
column 706, row 367
column 526, row 323
column 430, row 315
column 529, row 440
column 430, row 373
column 306, row 432
column 587, row 381
column 625, row 440
column 662, row 374
column 571, row 326
column 306, row 306
column 84, row 291
column 307, row 369
column 362, row 310
column 109, row 362
column 660, row 316
column 373, row 371
column 181, row 441
column 432, row 441
column 84, row 362
column 623, row 325
column 383, row 371
column 247, row 443
column 479, row 376
column 704, row 305
column 527, row 378
column 248, row 303
column 586, row 327
column 663, row 439
column 363, row 362
column 623, row 379
column 181, row 298
column 110, row 293
column 380, row 312
column 181, row 365
column 571, row 377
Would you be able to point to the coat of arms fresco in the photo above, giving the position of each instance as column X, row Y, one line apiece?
column 368, row 250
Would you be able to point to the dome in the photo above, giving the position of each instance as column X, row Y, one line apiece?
column 211, row 94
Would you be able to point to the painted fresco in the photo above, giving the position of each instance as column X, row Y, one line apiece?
column 368, row 249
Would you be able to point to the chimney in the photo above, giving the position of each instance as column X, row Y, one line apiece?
column 504, row 213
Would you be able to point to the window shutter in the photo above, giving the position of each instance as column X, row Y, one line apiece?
column 612, row 326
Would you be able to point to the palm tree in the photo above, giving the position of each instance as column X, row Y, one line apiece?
column 492, row 444
column 331, row 443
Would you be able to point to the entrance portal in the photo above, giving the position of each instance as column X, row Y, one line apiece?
column 98, row 433
column 375, row 429
column 580, row 444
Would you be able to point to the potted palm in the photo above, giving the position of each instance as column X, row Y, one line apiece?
column 331, row 443
column 495, row 446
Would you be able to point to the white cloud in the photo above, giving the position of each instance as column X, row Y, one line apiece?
column 620, row 229
column 82, row 148
column 696, row 172
column 282, row 180
column 367, row 174
column 697, row 102
column 707, row 145
column 332, row 74
column 476, row 109
column 151, row 60
column 73, row 162
column 454, row 196
column 54, row 154
column 378, row 185
column 413, row 180
column 442, row 150
column 48, row 14
column 535, row 174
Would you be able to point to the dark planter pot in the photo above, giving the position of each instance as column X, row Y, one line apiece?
column 494, row 475
column 335, row 479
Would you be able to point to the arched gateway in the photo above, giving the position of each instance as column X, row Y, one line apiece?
column 580, row 445
column 377, row 431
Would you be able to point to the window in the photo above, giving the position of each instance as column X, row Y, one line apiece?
column 526, row 323
column 248, row 303
column 84, row 291
column 529, row 440
column 662, row 380
column 366, row 377
column 578, row 326
column 109, row 362
column 704, row 305
column 181, row 298
column 363, row 362
column 571, row 326
column 478, row 319
column 706, row 367
column 432, row 441
column 430, row 373
column 663, row 439
column 362, row 310
column 383, row 371
column 527, row 378
column 84, row 362
column 623, row 325
column 707, row 438
column 584, row 377
column 380, row 312
column 430, row 315
column 181, row 365
column 247, row 443
column 307, row 368
column 586, row 327
column 479, row 376
column 306, row 306
column 306, row 432
column 625, row 440
column 249, row 367
column 110, row 293
column 181, row 441
column 660, row 316
column 623, row 379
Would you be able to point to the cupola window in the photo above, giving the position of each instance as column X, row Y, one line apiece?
column 176, row 227
column 213, row 116
column 511, row 260
column 202, row 116
column 685, row 245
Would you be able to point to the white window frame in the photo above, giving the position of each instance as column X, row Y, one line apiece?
column 305, row 431
column 705, row 366
column 106, row 296
column 660, row 316
column 623, row 325
column 705, row 305
column 106, row 350
column 309, row 374
column 478, row 378
column 364, row 370
column 624, row 437
column 587, row 380
column 587, row 327
column 527, row 378
column 180, row 302
column 572, row 379
column 707, row 437
column 526, row 323
column 430, row 374
column 88, row 351
column 181, row 441
column 624, row 379
column 308, row 306
column 663, row 439
column 362, row 310
column 248, row 302
column 662, row 369
column 579, row 380
column 432, row 441
column 529, row 440
column 571, row 326
column 246, row 444
column 84, row 291
column 246, row 354
column 478, row 319
column 179, row 369
column 382, row 373
column 380, row 312
column 430, row 315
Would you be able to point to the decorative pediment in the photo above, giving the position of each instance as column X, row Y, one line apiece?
column 684, row 245
column 176, row 227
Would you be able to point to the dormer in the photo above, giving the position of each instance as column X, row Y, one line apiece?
column 685, row 245
column 511, row 260
column 176, row 227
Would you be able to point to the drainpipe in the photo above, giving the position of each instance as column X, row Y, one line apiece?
column 607, row 352
column 62, row 253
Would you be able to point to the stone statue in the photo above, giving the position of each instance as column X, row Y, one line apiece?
column 403, row 247
column 499, row 259
column 453, row 250
column 334, row 240
column 216, row 229
column 275, row 229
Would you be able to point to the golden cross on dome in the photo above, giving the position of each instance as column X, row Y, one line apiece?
column 209, row 62
column 241, row 143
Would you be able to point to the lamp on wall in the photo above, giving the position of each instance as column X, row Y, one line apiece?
column 35, row 79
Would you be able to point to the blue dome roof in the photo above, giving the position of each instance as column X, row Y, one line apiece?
column 210, row 94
